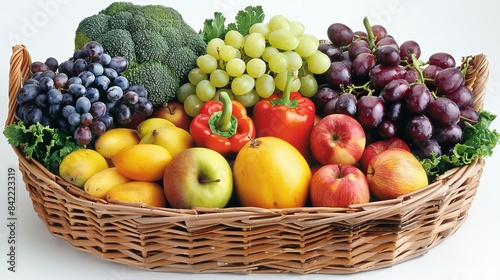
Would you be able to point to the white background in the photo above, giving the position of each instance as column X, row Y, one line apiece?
column 458, row 27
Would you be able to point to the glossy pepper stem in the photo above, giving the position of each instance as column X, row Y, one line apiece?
column 224, row 122
column 285, row 97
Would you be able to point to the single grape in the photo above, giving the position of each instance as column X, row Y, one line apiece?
column 242, row 84
column 123, row 114
column 269, row 51
column 412, row 76
column 308, row 45
column 346, row 104
column 86, row 119
column 213, row 47
column 395, row 90
column 67, row 67
column 61, row 81
column 282, row 39
column 41, row 101
column 54, row 96
column 318, row 63
column 67, row 110
column 67, row 99
column 114, row 93
column 248, row 99
column 82, row 135
column 419, row 128
column 74, row 80
column 362, row 64
column 97, row 109
column 206, row 63
column 108, row 120
column 31, row 81
column 442, row 59
column 27, row 93
column 54, row 110
column 278, row 22
column 256, row 67
column 121, row 82
column 462, row 96
column 235, row 39
column 261, row 28
column 92, row 94
column 387, row 41
column 118, row 63
column 49, row 74
column 308, row 85
column 87, row 77
column 340, row 34
column 32, row 115
column 409, row 48
column 110, row 73
column 332, row 51
column 448, row 80
column 295, row 60
column 192, row 105
column 358, row 47
column 94, row 50
column 140, row 90
column 143, row 107
column 38, row 67
column 105, row 59
column 369, row 111
column 235, row 67
column 227, row 52
column 387, row 56
column 444, row 112
column 395, row 111
column 381, row 75
column 131, row 97
column 324, row 94
column 418, row 98
column 379, row 31
column 330, row 107
column 82, row 105
column 96, row 68
column 338, row 75
column 97, row 127
column 448, row 135
column 387, row 130
column 205, row 90
column 427, row 148
column 184, row 91
column 80, row 65
column 278, row 62
column 297, row 27
column 74, row 119
column 46, row 84
column 226, row 90
column 264, row 85
column 102, row 83
column 255, row 44
column 468, row 115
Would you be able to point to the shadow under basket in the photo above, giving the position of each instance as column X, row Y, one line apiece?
column 253, row 240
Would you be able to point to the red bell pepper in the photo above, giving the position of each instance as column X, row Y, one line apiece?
column 286, row 115
column 222, row 126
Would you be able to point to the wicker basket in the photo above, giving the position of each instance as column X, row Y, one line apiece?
column 253, row 240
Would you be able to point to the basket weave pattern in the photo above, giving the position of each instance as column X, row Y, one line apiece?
column 253, row 240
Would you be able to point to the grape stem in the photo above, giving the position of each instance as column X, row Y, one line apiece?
column 354, row 89
column 417, row 64
column 369, row 33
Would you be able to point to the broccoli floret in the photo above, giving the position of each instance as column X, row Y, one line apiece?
column 153, row 75
column 154, row 35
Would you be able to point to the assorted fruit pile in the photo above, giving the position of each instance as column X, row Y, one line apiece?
column 251, row 113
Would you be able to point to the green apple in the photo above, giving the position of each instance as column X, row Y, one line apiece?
column 198, row 177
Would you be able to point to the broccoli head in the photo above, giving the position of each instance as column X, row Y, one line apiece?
column 151, row 35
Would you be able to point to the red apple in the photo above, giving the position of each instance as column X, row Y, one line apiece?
column 378, row 146
column 395, row 172
column 337, row 138
column 335, row 185
column 174, row 112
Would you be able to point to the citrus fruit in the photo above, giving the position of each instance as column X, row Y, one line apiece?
column 142, row 162
column 148, row 193
column 78, row 166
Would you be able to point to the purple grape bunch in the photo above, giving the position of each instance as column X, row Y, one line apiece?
column 392, row 92
column 83, row 96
